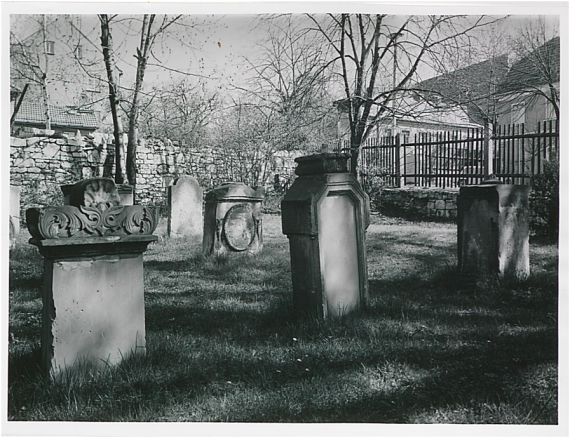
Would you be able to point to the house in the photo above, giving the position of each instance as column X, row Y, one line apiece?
column 411, row 117
column 502, row 90
column 454, row 101
column 64, row 119
column 531, row 88
column 470, row 90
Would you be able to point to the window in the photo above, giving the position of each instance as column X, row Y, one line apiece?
column 50, row 47
column 405, row 136
column 517, row 112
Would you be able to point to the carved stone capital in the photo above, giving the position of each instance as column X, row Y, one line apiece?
column 68, row 221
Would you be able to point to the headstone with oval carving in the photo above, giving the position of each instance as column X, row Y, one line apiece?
column 93, row 297
column 232, row 220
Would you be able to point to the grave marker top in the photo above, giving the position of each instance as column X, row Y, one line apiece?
column 100, row 193
column 95, row 213
column 235, row 192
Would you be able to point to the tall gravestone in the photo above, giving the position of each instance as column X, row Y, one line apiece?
column 185, row 211
column 325, row 214
column 493, row 229
column 93, row 293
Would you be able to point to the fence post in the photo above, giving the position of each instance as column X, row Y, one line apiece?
column 487, row 150
column 399, row 179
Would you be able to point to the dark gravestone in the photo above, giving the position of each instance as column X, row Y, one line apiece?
column 325, row 214
column 493, row 229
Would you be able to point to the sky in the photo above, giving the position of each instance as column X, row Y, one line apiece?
column 215, row 50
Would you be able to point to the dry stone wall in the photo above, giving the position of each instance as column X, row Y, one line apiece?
column 416, row 203
column 40, row 165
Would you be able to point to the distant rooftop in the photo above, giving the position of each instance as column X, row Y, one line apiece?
column 64, row 117
column 474, row 81
column 540, row 67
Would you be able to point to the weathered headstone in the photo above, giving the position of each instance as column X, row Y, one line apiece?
column 325, row 214
column 493, row 229
column 93, row 293
column 185, row 215
column 127, row 194
column 124, row 191
column 14, row 212
column 232, row 219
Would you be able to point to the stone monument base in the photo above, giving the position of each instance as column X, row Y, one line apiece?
column 493, row 230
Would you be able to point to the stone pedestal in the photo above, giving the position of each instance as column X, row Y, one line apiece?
column 232, row 220
column 185, row 215
column 325, row 215
column 14, row 212
column 493, row 230
column 93, row 293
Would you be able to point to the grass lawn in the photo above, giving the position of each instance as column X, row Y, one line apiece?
column 224, row 345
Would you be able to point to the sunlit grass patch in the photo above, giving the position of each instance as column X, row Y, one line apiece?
column 224, row 344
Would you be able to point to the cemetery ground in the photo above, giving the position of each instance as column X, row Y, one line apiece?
column 223, row 343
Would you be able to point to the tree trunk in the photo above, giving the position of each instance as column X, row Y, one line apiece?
column 142, row 57
column 45, row 97
column 45, row 94
column 108, row 56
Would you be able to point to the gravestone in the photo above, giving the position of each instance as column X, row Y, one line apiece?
column 93, row 292
column 125, row 192
column 232, row 220
column 493, row 229
column 185, row 199
column 14, row 212
column 325, row 214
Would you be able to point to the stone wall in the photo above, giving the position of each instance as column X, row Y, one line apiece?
column 40, row 165
column 416, row 203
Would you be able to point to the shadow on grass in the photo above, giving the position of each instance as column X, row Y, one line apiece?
column 208, row 348
column 425, row 344
column 490, row 369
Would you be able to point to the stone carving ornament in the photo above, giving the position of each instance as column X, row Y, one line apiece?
column 240, row 227
column 95, row 212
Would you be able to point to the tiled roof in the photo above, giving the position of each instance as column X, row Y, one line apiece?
column 67, row 117
column 469, row 83
column 540, row 67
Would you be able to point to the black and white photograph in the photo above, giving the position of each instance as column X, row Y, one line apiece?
column 285, row 219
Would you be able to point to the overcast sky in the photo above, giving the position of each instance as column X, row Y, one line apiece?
column 218, row 45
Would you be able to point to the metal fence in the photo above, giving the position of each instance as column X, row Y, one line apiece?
column 455, row 158
column 519, row 154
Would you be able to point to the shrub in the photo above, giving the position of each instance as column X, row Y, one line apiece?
column 544, row 200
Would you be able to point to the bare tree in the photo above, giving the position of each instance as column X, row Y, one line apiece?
column 109, row 58
column 150, row 30
column 535, row 74
column 30, row 62
column 246, row 132
column 179, row 111
column 289, row 83
column 364, row 47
